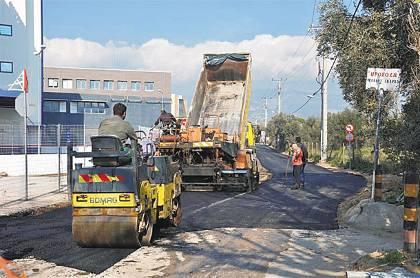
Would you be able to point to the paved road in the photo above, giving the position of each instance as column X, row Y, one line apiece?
column 272, row 206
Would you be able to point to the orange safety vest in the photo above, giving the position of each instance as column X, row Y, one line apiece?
column 297, row 157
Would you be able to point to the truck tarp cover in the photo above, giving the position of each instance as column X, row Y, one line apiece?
column 222, row 93
column 218, row 59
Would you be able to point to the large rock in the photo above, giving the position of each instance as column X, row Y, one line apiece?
column 375, row 216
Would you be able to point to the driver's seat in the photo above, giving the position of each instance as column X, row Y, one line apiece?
column 107, row 144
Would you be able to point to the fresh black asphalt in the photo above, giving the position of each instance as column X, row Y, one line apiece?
column 272, row 205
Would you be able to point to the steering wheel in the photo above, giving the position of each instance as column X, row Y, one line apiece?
column 141, row 134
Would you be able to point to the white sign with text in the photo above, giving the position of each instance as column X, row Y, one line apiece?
column 386, row 79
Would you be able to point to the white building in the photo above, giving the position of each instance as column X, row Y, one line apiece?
column 178, row 106
column 20, row 47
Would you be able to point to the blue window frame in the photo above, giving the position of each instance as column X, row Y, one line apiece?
column 58, row 106
column 6, row 30
column 6, row 67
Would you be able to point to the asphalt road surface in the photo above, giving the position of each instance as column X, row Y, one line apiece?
column 272, row 206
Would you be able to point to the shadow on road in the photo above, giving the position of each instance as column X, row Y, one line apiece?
column 48, row 237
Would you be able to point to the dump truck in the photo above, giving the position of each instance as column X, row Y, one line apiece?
column 217, row 149
column 125, row 197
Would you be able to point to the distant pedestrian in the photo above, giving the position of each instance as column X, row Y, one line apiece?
column 297, row 165
column 304, row 159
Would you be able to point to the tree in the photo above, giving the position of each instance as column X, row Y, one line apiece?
column 379, row 37
column 384, row 33
column 283, row 130
column 336, row 128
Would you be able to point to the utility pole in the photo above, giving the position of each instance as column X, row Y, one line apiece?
column 266, row 110
column 279, row 84
column 324, row 104
column 324, row 112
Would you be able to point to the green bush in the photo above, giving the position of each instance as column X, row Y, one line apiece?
column 393, row 257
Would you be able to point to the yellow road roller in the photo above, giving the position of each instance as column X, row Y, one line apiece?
column 124, row 198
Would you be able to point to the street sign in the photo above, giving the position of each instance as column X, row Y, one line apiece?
column 381, row 78
column 349, row 137
column 349, row 128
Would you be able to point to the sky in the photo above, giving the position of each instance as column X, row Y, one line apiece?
column 172, row 35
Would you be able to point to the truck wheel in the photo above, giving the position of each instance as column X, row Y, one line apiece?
column 147, row 237
column 257, row 180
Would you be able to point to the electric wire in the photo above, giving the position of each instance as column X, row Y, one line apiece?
column 334, row 61
column 306, row 35
column 300, row 64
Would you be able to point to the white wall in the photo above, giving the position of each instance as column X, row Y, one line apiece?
column 9, row 115
column 38, row 164
column 25, row 16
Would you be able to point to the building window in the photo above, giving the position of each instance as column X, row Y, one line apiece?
column 87, row 107
column 95, row 84
column 55, row 106
column 122, row 85
column 149, row 86
column 67, row 84
column 6, row 67
column 81, row 83
column 5, row 30
column 135, row 85
column 53, row 82
column 108, row 84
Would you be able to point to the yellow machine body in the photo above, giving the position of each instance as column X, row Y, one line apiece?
column 117, row 219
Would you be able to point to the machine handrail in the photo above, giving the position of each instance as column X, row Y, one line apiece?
column 99, row 154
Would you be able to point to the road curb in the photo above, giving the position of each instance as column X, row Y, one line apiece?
column 36, row 210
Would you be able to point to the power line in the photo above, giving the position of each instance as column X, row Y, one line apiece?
column 299, row 65
column 306, row 35
column 335, row 58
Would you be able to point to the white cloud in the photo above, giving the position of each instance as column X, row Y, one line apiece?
column 272, row 56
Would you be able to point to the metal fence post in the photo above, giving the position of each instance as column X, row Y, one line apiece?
column 59, row 155
column 378, row 184
column 411, row 191
column 69, row 168
column 84, row 142
column 312, row 147
column 39, row 139
column 13, row 141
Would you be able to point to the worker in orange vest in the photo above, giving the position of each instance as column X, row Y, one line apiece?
column 297, row 165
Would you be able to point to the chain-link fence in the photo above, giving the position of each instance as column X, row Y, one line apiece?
column 46, row 159
column 42, row 139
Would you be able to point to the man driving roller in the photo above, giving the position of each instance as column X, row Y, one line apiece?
column 116, row 125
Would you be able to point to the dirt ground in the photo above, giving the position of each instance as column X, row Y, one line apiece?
column 393, row 190
column 379, row 261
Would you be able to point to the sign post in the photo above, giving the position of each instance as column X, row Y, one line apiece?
column 349, row 138
column 381, row 79
column 21, row 83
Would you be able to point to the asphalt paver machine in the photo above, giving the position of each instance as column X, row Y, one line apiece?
column 217, row 148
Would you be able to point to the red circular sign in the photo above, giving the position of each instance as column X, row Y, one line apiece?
column 349, row 128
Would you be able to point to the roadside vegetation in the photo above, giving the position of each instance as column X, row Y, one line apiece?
column 384, row 34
